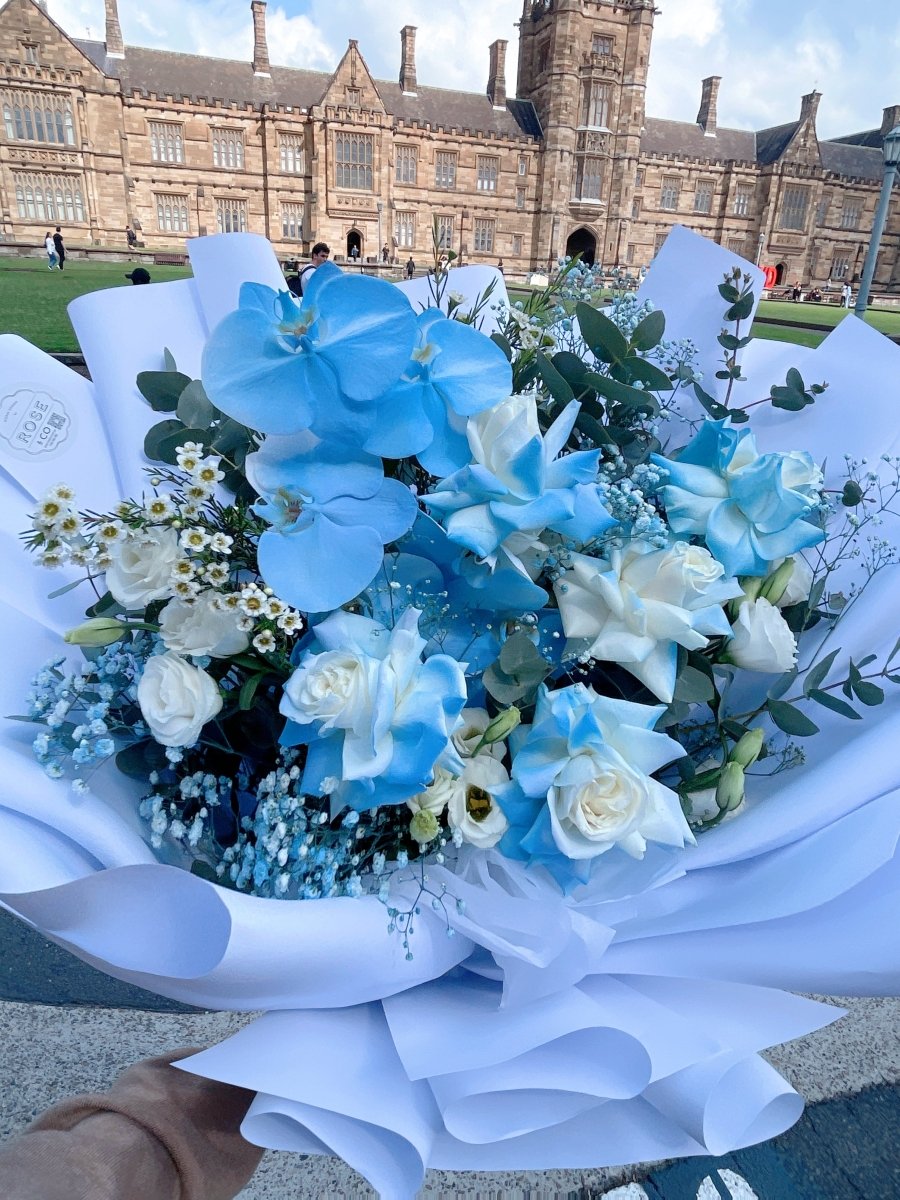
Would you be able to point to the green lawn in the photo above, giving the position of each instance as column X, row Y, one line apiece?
column 33, row 303
column 33, row 300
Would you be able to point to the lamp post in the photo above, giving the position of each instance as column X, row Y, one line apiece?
column 891, row 151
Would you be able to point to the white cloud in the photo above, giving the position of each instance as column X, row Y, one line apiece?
column 694, row 21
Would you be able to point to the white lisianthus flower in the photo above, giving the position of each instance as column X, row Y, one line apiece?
column 437, row 795
column 799, row 585
column 638, row 604
column 473, row 809
column 201, row 628
column 176, row 699
column 140, row 570
column 762, row 640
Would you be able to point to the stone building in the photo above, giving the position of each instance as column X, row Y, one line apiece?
column 97, row 136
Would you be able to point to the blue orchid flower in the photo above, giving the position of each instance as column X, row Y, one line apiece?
column 752, row 509
column 377, row 718
column 281, row 364
column 454, row 371
column 331, row 511
column 582, row 784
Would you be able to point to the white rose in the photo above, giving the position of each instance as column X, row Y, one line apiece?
column 473, row 810
column 336, row 688
column 141, row 567
column 602, row 802
column 762, row 640
column 499, row 434
column 177, row 699
column 202, row 628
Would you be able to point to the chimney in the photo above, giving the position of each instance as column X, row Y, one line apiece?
column 891, row 119
column 709, row 98
column 408, row 60
column 115, row 47
column 496, row 88
column 809, row 106
column 260, row 46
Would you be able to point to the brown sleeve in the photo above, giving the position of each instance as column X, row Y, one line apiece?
column 158, row 1133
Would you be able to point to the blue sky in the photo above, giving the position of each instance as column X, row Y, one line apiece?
column 769, row 52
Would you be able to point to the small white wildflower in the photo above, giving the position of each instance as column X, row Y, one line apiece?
column 190, row 511
column 264, row 642
column 245, row 624
column 221, row 543
column 159, row 508
column 216, row 574
column 61, row 491
column 290, row 622
column 207, row 471
column 195, row 539
column 111, row 531
column 275, row 608
column 185, row 589
column 183, row 568
column 197, row 492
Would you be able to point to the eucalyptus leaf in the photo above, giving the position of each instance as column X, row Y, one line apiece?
column 167, row 446
column 604, row 338
column 649, row 331
column 693, row 687
column 818, row 674
column 169, row 360
column 558, row 388
column 639, row 370
column 504, row 345
column 867, row 693
column 195, row 407
column 790, row 719
column 836, row 704
column 162, row 389
column 156, row 435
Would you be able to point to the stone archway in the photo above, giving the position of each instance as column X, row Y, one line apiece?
column 582, row 242
column 354, row 243
column 780, row 272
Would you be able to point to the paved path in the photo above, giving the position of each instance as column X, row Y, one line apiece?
column 69, row 1028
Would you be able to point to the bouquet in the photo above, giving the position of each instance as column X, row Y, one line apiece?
column 471, row 675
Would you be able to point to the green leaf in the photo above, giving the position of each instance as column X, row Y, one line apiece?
column 621, row 393
column 601, row 335
column 869, row 694
column 204, row 871
column 638, row 369
column 156, row 434
column 593, row 429
column 893, row 654
column 229, row 436
column 729, row 292
column 161, row 389
column 818, row 674
column 694, row 687
column 553, row 381
column 735, row 729
column 195, row 407
column 836, row 704
column 249, row 690
column 504, row 345
column 790, row 719
column 742, row 309
column 169, row 360
column 795, row 380
column 106, row 606
column 67, row 587
column 140, row 758
column 739, row 416
column 571, row 367
column 649, row 332
column 716, row 410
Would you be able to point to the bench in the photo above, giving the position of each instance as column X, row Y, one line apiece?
column 169, row 260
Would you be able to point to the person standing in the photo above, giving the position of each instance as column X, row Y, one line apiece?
column 320, row 253
column 410, row 268
column 60, row 248
column 846, row 295
column 51, row 251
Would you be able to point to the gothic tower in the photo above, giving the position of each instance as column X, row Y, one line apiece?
column 584, row 63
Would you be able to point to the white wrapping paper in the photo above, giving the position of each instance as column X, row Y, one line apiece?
column 621, row 1024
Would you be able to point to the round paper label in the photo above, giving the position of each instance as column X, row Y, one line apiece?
column 33, row 423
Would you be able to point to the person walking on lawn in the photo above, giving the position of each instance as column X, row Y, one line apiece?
column 60, row 248
column 51, row 251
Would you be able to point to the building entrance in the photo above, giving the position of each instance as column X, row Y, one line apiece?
column 582, row 242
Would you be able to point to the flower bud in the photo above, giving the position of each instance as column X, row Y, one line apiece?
column 98, row 631
column 730, row 789
column 776, row 584
column 424, row 826
column 746, row 752
column 752, row 586
column 501, row 726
